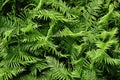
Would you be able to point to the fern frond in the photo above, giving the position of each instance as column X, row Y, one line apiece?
column 38, row 68
column 106, row 45
column 89, row 75
column 102, row 57
column 58, row 70
column 67, row 32
column 54, row 15
column 60, row 5
column 104, row 20
column 8, row 73
column 17, row 58
column 108, row 34
column 5, row 24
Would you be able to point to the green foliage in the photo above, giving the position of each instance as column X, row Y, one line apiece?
column 59, row 40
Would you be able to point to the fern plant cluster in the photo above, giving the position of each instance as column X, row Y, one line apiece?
column 59, row 40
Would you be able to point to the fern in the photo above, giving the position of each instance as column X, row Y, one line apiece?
column 59, row 40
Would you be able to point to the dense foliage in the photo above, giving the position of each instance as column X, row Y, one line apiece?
column 59, row 40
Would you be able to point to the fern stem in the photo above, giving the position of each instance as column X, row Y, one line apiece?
column 39, row 5
column 50, row 30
